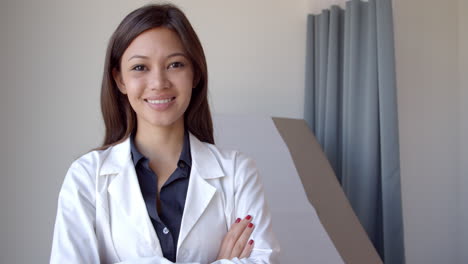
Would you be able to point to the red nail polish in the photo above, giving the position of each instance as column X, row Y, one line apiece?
column 250, row 242
column 248, row 217
column 250, row 225
column 238, row 220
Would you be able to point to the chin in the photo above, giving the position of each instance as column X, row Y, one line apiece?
column 165, row 122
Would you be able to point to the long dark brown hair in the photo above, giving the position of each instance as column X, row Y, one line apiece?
column 119, row 117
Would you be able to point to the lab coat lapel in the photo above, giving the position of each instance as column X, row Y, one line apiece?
column 125, row 194
column 200, row 192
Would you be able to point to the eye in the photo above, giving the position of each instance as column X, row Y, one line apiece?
column 176, row 64
column 139, row 68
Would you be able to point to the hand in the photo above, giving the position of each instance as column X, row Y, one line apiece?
column 236, row 243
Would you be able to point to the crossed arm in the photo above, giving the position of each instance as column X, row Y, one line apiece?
column 75, row 230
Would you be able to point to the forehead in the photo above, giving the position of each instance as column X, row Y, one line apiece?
column 155, row 42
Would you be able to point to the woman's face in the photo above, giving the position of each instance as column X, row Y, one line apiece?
column 157, row 76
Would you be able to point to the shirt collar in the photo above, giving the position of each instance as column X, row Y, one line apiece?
column 185, row 155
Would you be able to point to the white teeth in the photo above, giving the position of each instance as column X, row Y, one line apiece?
column 159, row 101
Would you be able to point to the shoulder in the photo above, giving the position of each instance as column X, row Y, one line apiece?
column 233, row 161
column 226, row 154
column 91, row 161
column 82, row 174
column 105, row 161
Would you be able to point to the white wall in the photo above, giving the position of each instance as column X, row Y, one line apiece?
column 463, row 73
column 426, row 34
column 52, row 56
column 255, row 52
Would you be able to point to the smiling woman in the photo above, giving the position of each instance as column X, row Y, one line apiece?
column 131, row 51
column 158, row 190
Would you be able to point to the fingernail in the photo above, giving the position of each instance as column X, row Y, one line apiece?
column 250, row 225
column 238, row 220
column 250, row 242
column 248, row 217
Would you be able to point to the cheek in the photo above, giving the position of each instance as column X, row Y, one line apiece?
column 187, row 91
column 135, row 86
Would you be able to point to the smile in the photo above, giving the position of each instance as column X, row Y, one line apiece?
column 163, row 101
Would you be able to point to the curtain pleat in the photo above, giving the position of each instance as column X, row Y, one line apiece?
column 350, row 105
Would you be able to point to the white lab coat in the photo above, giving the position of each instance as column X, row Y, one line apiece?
column 102, row 217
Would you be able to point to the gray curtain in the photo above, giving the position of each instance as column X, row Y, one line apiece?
column 350, row 104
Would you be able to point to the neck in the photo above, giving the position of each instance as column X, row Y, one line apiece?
column 160, row 143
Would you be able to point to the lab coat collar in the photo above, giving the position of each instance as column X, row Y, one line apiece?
column 125, row 192
column 118, row 156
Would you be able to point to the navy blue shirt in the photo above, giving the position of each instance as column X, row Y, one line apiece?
column 172, row 196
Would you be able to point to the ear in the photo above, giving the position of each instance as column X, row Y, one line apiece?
column 119, row 81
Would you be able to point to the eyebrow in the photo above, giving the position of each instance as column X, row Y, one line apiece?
column 169, row 56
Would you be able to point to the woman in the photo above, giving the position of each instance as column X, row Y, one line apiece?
column 158, row 190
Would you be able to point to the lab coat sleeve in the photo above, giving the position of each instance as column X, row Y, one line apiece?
column 74, row 239
column 250, row 200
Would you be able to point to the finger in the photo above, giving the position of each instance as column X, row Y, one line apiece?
column 247, row 249
column 224, row 251
column 242, row 241
column 233, row 235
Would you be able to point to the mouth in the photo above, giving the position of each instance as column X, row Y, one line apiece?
column 160, row 101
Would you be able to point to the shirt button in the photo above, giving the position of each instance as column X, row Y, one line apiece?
column 165, row 230
column 181, row 165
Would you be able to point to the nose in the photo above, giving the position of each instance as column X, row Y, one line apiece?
column 158, row 80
